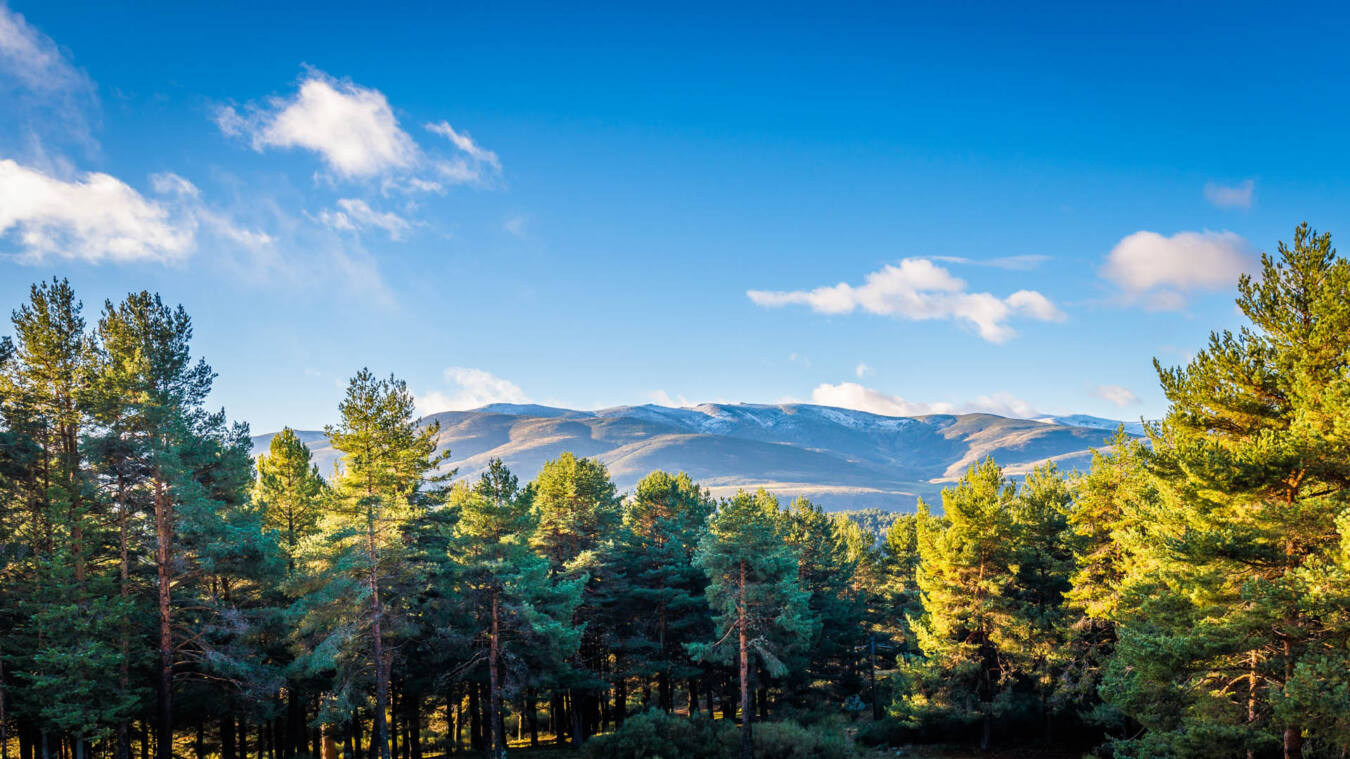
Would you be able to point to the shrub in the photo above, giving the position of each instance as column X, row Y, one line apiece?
column 656, row 735
column 789, row 740
column 887, row 732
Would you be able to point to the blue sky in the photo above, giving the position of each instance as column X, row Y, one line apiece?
column 899, row 208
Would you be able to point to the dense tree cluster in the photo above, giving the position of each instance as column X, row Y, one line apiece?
column 161, row 593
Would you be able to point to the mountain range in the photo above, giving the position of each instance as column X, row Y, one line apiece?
column 840, row 458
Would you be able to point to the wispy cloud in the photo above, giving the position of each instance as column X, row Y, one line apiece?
column 517, row 225
column 1230, row 196
column 37, row 77
column 917, row 290
column 1011, row 263
column 1120, row 396
column 356, row 214
column 662, row 398
column 1159, row 272
column 472, row 388
column 475, row 164
column 855, row 396
column 862, row 370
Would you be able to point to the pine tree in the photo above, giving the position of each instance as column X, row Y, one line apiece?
column 965, row 578
column 658, row 605
column 826, row 574
column 1242, row 591
column 517, row 611
column 388, row 480
column 67, row 616
column 289, row 490
column 1109, row 521
column 1044, row 562
column 760, row 612
column 578, row 509
column 195, row 470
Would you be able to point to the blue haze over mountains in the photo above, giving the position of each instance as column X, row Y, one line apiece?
column 840, row 458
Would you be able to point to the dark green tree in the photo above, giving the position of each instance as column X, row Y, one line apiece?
column 760, row 612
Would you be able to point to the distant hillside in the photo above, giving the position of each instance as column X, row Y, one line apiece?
column 837, row 457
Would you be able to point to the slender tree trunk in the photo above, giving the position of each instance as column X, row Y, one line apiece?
column 475, row 719
column 1293, row 734
column 4, row 718
column 243, row 738
column 227, row 737
column 578, row 732
column 413, row 723
column 620, row 701
column 394, row 718
column 494, row 696
column 532, row 714
column 163, row 572
column 380, row 730
column 747, row 745
column 356, row 734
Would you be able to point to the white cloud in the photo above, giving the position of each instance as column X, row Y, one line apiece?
column 863, row 370
column 352, row 128
column 517, row 226
column 1121, row 396
column 357, row 214
column 1012, row 263
column 855, row 396
column 33, row 58
column 662, row 398
column 475, row 388
column 462, row 140
column 917, row 289
column 1234, row 196
column 36, row 76
column 1003, row 404
column 95, row 218
column 1159, row 271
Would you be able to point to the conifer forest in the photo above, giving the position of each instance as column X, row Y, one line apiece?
column 165, row 594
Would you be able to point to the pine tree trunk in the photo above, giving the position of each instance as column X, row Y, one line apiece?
column 532, row 715
column 394, row 718
column 227, row 738
column 747, row 745
column 380, row 733
column 494, row 695
column 356, row 734
column 163, row 569
column 475, row 719
column 4, row 718
column 578, row 734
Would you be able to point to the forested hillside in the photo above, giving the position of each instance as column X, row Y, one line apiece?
column 162, row 593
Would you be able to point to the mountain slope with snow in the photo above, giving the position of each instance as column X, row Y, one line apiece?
column 838, row 457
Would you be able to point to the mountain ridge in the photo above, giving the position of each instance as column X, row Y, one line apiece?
column 841, row 458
